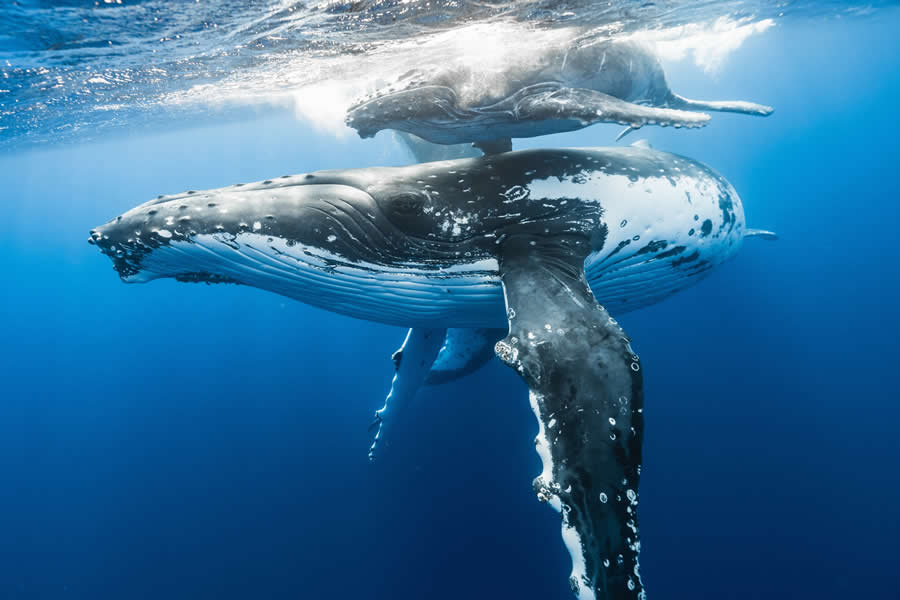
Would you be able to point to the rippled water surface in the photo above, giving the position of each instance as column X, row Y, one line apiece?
column 74, row 69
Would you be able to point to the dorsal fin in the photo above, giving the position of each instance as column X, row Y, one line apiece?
column 642, row 143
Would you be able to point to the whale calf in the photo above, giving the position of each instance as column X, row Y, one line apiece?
column 566, row 87
column 527, row 242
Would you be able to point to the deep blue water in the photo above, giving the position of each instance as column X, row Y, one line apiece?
column 191, row 441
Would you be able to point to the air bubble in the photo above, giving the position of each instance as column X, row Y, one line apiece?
column 603, row 497
column 612, row 421
column 623, row 223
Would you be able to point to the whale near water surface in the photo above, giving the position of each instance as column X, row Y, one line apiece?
column 540, row 247
column 566, row 86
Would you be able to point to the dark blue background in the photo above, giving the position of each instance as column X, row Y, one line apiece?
column 192, row 441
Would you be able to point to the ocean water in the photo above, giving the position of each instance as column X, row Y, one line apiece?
column 192, row 441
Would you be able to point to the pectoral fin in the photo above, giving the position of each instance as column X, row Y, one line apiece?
column 552, row 102
column 586, row 390
column 412, row 362
column 430, row 357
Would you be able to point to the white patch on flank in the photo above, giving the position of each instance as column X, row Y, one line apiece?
column 655, row 208
column 164, row 233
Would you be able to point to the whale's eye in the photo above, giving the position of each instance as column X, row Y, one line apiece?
column 407, row 204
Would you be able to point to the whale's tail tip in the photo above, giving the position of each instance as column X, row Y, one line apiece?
column 762, row 234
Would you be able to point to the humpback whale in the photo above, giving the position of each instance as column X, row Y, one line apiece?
column 530, row 242
column 567, row 87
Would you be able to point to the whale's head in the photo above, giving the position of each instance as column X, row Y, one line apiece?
column 322, row 218
column 429, row 111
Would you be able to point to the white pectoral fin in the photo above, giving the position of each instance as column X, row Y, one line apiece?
column 412, row 362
